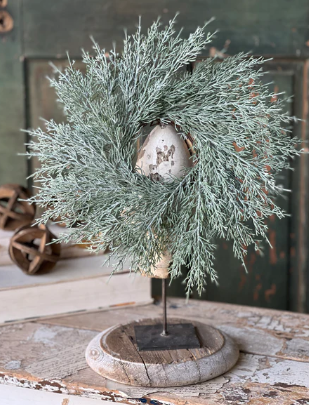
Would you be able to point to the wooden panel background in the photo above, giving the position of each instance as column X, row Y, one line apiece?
column 45, row 31
column 267, row 277
column 13, row 168
column 278, row 27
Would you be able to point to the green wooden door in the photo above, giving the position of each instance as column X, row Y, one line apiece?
column 269, row 276
column 44, row 31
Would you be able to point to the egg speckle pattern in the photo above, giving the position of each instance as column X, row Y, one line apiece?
column 164, row 154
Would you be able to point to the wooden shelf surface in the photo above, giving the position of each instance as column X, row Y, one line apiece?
column 48, row 355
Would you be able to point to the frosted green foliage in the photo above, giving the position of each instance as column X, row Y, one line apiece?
column 241, row 141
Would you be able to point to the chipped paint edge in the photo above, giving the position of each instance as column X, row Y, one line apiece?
column 58, row 387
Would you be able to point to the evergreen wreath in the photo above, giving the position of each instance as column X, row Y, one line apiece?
column 240, row 141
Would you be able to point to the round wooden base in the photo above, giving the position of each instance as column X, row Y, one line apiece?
column 114, row 355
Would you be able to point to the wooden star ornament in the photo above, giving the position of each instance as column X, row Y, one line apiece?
column 30, row 249
column 13, row 212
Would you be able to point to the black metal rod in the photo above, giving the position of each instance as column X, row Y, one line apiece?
column 164, row 332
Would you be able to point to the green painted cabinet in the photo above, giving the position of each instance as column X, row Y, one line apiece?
column 44, row 31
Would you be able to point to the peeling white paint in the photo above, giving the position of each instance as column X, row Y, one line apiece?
column 246, row 367
column 304, row 332
column 297, row 347
column 259, row 341
column 284, row 372
column 13, row 365
column 45, row 335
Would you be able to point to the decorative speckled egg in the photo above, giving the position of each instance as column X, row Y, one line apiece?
column 164, row 153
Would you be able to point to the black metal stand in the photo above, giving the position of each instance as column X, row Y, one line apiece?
column 176, row 336
column 164, row 332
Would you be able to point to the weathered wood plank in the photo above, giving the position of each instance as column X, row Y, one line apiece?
column 274, row 28
column 73, row 295
column 252, row 380
column 256, row 330
column 241, row 385
column 13, row 168
column 27, row 347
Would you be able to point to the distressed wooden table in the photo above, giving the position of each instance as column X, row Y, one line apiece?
column 42, row 362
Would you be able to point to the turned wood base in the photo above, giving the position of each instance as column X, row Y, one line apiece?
column 113, row 354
